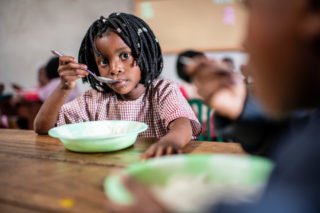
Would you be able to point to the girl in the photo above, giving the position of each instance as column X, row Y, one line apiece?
column 124, row 48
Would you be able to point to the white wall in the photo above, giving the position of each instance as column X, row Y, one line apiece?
column 30, row 28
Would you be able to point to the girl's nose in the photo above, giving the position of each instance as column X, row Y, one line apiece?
column 115, row 68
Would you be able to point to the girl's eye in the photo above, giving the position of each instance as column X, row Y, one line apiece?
column 124, row 56
column 103, row 62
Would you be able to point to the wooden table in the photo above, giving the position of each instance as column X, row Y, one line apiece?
column 38, row 174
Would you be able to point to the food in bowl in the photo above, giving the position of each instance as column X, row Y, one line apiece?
column 185, row 193
column 192, row 183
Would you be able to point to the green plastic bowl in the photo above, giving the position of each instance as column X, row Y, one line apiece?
column 98, row 136
column 234, row 170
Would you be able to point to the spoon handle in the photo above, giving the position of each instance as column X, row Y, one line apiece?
column 56, row 53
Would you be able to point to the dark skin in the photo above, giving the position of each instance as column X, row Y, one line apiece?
column 116, row 62
column 281, row 41
column 284, row 61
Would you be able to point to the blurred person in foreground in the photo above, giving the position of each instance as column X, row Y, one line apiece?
column 283, row 123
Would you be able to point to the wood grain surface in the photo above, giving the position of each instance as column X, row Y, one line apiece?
column 38, row 175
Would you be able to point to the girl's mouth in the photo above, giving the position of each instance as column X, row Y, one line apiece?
column 120, row 83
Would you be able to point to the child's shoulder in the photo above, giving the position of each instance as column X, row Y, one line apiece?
column 162, row 89
column 162, row 83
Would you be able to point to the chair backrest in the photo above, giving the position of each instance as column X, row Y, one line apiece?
column 199, row 106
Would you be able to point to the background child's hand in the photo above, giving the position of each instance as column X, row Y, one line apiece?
column 161, row 148
column 70, row 71
column 222, row 90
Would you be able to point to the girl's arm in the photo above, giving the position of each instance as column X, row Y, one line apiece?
column 179, row 134
column 69, row 71
column 48, row 113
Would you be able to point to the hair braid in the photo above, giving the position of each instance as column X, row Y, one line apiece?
column 136, row 34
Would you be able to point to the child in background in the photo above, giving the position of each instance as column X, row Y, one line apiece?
column 3, row 118
column 42, row 77
column 48, row 80
column 188, row 90
column 30, row 94
column 229, row 64
column 53, row 81
column 124, row 48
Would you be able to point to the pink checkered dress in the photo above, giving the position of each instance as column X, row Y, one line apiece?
column 158, row 106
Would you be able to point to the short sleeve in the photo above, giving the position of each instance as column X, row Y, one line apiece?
column 173, row 105
column 75, row 111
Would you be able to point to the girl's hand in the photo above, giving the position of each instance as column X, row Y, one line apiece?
column 70, row 71
column 161, row 148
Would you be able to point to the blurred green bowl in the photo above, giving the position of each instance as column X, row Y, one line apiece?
column 221, row 169
column 98, row 136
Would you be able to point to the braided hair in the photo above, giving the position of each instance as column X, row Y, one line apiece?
column 136, row 34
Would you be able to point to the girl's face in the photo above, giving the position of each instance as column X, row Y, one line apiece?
column 116, row 62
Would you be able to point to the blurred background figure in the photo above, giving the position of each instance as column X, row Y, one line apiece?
column 42, row 77
column 3, row 118
column 48, row 80
column 1, row 88
column 51, row 80
column 247, row 77
column 19, row 109
column 31, row 94
column 188, row 89
column 228, row 62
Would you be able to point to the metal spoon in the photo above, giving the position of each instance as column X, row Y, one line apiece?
column 98, row 78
